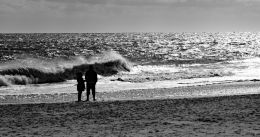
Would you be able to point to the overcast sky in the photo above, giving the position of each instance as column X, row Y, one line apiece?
column 129, row 15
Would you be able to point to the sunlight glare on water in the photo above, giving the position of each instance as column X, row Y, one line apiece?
column 251, row 70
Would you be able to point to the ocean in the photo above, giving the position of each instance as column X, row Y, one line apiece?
column 39, row 63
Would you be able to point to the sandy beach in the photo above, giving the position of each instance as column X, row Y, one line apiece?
column 149, row 112
column 160, row 68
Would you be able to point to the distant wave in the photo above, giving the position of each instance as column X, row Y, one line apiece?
column 36, row 71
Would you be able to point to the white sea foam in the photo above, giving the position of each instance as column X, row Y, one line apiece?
column 34, row 70
column 243, row 70
column 155, row 69
column 249, row 68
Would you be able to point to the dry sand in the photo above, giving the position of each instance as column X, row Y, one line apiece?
column 148, row 112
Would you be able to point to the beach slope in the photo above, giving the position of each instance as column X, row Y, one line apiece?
column 237, row 115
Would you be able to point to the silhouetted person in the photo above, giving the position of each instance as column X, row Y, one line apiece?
column 91, row 79
column 80, row 85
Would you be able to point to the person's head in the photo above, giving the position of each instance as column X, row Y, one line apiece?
column 91, row 67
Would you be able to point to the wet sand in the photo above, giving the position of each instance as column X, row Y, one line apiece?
column 193, row 91
column 149, row 112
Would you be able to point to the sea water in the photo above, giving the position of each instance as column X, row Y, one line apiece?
column 37, row 75
column 243, row 70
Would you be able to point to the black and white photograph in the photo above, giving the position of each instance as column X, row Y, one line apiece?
column 129, row 68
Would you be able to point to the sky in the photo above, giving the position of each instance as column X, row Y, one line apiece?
column 84, row 16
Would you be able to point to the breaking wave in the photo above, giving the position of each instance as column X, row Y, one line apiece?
column 37, row 71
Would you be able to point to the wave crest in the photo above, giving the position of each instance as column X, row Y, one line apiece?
column 37, row 71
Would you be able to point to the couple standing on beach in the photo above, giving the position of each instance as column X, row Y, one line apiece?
column 90, row 79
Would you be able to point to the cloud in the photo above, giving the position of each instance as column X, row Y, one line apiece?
column 148, row 2
column 119, row 2
column 80, row 4
column 83, row 7
column 133, row 15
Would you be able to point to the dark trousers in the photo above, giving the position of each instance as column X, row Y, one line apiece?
column 80, row 88
column 79, row 95
column 92, row 87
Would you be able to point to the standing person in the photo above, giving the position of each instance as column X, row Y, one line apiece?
column 91, row 79
column 80, row 85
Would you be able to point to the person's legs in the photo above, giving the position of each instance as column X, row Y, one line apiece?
column 93, row 86
column 79, row 96
column 88, row 91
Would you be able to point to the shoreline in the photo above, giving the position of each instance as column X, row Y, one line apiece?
column 108, row 85
column 197, row 91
